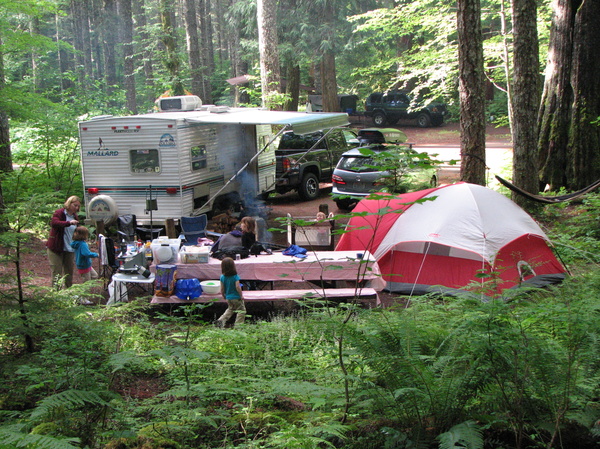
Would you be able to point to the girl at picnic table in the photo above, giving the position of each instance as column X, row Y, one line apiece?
column 231, row 290
column 83, row 255
column 248, row 226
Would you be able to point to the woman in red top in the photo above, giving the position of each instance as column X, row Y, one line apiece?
column 60, row 253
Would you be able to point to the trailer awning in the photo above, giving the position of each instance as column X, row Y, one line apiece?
column 299, row 122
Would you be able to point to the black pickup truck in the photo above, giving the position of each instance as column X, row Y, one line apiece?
column 305, row 160
column 387, row 108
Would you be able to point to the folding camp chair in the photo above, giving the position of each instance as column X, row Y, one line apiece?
column 127, row 228
column 107, row 258
column 193, row 228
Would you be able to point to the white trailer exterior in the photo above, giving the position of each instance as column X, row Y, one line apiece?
column 189, row 162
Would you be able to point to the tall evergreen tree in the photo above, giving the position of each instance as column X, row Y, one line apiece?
column 143, row 49
column 129, row 59
column 193, row 47
column 471, row 92
column 110, row 32
column 266, row 12
column 525, row 96
column 569, row 136
column 5, row 153
column 169, row 40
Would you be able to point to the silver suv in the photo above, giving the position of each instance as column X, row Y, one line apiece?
column 380, row 168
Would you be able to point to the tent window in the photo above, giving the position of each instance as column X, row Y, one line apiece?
column 435, row 249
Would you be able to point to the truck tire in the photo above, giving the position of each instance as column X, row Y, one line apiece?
column 423, row 120
column 309, row 187
column 437, row 121
column 379, row 118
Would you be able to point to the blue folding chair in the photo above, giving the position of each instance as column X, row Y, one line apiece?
column 192, row 228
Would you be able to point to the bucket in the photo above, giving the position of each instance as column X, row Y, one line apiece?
column 164, row 282
column 188, row 288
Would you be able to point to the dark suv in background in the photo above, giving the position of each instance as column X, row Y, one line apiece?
column 389, row 107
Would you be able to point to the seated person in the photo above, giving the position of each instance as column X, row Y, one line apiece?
column 248, row 227
column 229, row 240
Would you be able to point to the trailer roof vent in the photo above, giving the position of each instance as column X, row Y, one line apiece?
column 180, row 103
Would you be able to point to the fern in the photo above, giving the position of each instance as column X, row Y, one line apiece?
column 67, row 399
column 12, row 438
column 466, row 435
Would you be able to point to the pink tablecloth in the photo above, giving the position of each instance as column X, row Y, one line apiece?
column 322, row 265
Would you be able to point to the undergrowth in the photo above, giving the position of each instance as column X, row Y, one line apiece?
column 443, row 372
column 436, row 374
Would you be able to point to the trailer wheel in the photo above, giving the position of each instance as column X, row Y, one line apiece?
column 309, row 187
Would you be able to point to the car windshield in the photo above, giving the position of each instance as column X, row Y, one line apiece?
column 291, row 141
column 360, row 164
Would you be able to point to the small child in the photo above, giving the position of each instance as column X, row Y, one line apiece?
column 83, row 255
column 232, row 292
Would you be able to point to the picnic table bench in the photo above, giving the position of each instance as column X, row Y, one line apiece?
column 280, row 295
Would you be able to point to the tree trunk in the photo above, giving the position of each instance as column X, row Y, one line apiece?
column 144, row 40
column 34, row 28
column 193, row 48
column 316, row 77
column 557, row 97
column 525, row 97
column 585, row 135
column 568, row 141
column 471, row 92
column 330, row 99
column 110, row 35
column 292, row 87
column 328, row 69
column 82, row 41
column 5, row 152
column 129, row 60
column 266, row 11
column 208, row 51
column 169, row 40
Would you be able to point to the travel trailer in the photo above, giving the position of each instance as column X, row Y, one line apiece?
column 177, row 163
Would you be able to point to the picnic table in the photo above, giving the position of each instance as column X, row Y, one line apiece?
column 333, row 272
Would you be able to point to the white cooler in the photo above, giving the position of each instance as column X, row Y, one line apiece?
column 165, row 250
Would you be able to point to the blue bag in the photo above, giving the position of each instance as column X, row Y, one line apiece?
column 295, row 250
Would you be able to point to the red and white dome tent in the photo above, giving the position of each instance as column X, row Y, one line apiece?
column 442, row 239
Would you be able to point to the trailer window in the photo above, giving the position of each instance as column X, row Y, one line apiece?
column 144, row 161
column 198, row 157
